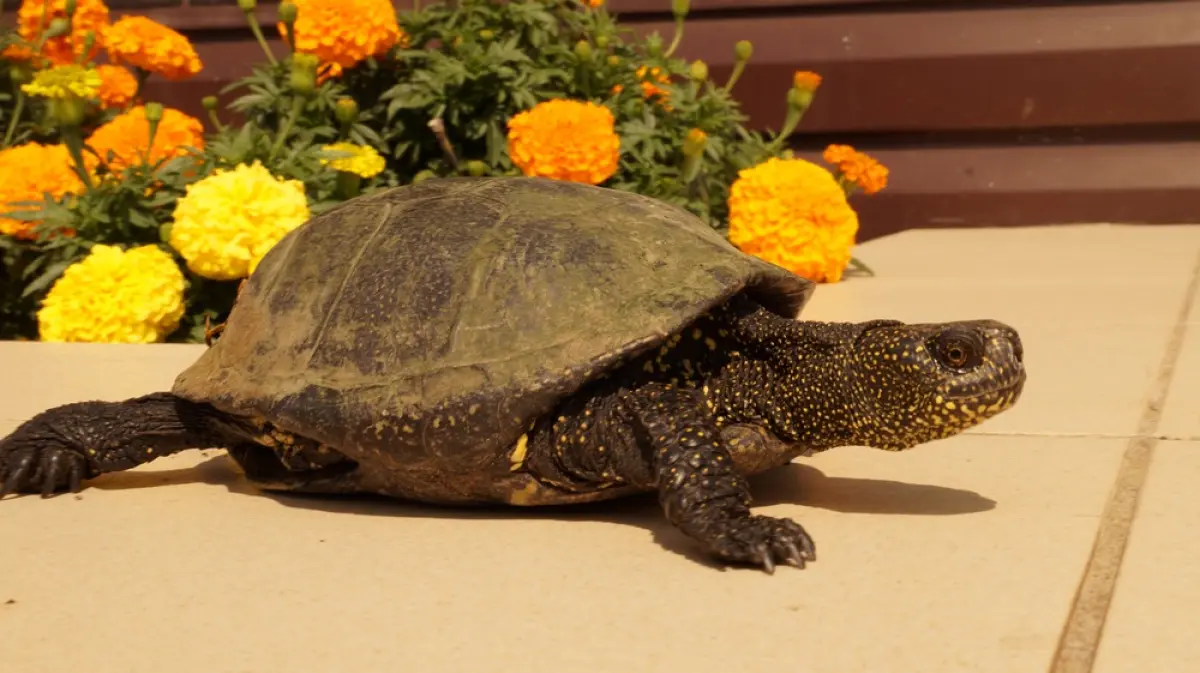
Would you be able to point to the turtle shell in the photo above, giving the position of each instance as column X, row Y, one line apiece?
column 429, row 325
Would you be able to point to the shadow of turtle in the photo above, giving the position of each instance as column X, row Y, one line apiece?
column 793, row 484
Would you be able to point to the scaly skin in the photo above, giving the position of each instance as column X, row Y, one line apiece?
column 664, row 421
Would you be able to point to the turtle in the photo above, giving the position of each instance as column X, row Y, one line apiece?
column 524, row 341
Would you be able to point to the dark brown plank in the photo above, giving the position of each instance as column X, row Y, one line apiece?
column 1153, row 183
column 994, row 68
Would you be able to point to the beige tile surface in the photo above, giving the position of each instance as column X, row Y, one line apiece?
column 1152, row 624
column 928, row 558
column 1181, row 415
column 962, row 555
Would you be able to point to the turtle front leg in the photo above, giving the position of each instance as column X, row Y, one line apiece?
column 700, row 490
column 60, row 448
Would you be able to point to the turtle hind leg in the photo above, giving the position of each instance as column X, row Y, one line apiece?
column 296, row 465
column 60, row 448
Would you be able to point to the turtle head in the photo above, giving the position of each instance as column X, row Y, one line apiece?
column 916, row 383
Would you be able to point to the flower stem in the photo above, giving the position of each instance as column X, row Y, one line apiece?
column 74, row 143
column 676, row 39
column 258, row 35
column 790, row 122
column 738, row 67
column 18, row 108
column 349, row 185
column 285, row 128
column 140, row 76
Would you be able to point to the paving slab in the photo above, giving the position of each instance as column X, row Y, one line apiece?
column 1151, row 624
column 960, row 555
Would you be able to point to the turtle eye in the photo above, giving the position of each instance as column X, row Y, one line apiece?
column 958, row 349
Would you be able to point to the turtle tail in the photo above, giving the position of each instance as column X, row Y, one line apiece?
column 60, row 448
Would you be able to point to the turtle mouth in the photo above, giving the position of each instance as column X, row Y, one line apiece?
column 998, row 386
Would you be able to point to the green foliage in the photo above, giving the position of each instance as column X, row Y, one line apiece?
column 437, row 105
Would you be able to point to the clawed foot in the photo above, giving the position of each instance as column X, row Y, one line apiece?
column 764, row 541
column 30, row 470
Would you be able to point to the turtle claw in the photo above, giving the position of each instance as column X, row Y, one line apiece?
column 43, row 471
column 14, row 474
column 765, row 542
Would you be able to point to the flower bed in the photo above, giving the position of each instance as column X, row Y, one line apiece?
column 124, row 221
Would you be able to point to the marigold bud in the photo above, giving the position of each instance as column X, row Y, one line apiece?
column 602, row 41
column 154, row 112
column 288, row 12
column 58, row 28
column 614, row 60
column 694, row 143
column 303, row 76
column 20, row 74
column 247, row 5
column 209, row 103
column 423, row 176
column 583, row 50
column 698, row 71
column 487, row 34
column 346, row 110
column 477, row 168
column 680, row 8
column 799, row 99
column 744, row 49
column 654, row 44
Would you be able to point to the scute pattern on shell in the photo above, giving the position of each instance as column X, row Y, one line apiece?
column 425, row 327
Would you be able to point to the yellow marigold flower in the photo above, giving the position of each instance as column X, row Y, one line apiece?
column 857, row 167
column 149, row 45
column 806, row 80
column 565, row 140
column 128, row 135
column 363, row 161
column 322, row 28
column 27, row 172
column 229, row 220
column 792, row 213
column 34, row 17
column 64, row 81
column 115, row 296
column 118, row 86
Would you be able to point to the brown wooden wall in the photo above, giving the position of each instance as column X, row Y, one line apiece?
column 988, row 113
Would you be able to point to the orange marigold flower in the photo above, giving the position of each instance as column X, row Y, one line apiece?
column 565, row 140
column 117, row 86
column 27, row 172
column 17, row 53
column 806, row 80
column 792, row 213
column 322, row 29
column 149, row 45
column 128, row 135
column 650, row 79
column 34, row 17
column 857, row 168
column 595, row 3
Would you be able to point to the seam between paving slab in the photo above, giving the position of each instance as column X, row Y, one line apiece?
column 1080, row 639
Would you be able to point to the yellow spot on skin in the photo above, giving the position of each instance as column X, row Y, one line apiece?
column 524, row 495
column 649, row 367
column 712, row 345
column 517, row 459
column 696, row 334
